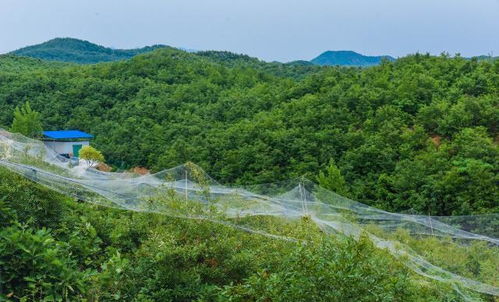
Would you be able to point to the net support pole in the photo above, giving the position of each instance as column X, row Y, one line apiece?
column 303, row 200
column 431, row 225
column 185, row 183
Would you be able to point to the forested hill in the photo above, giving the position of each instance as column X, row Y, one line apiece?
column 79, row 51
column 71, row 50
column 348, row 58
column 13, row 63
column 416, row 134
column 296, row 69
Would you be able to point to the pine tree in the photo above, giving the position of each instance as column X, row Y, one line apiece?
column 332, row 179
column 27, row 121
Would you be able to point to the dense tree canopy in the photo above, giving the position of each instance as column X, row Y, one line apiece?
column 79, row 51
column 415, row 134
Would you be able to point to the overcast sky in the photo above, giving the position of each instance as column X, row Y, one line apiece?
column 280, row 30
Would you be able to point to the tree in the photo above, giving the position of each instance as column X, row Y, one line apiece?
column 332, row 179
column 91, row 156
column 27, row 121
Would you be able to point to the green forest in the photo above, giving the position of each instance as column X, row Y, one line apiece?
column 415, row 135
column 79, row 51
column 418, row 134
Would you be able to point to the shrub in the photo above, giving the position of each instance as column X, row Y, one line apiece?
column 35, row 267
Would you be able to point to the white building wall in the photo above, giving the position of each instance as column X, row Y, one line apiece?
column 64, row 147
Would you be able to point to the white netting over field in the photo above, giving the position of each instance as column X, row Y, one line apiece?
column 186, row 191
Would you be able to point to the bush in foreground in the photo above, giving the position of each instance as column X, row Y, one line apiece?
column 55, row 249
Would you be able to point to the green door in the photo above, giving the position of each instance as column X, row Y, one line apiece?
column 76, row 150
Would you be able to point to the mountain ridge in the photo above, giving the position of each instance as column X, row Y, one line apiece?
column 348, row 58
column 72, row 50
column 79, row 51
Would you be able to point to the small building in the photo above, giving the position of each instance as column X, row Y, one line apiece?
column 67, row 142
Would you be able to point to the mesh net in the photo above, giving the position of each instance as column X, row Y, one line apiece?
column 186, row 191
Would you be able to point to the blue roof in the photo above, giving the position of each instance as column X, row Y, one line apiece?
column 66, row 134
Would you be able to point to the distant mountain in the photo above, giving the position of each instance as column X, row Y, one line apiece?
column 486, row 58
column 348, row 58
column 300, row 63
column 188, row 49
column 296, row 69
column 79, row 51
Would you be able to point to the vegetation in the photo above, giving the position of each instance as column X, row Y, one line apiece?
column 79, row 51
column 27, row 121
column 91, row 156
column 332, row 180
column 55, row 249
column 295, row 70
column 418, row 134
column 14, row 64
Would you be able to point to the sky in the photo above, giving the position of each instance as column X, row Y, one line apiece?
column 280, row 30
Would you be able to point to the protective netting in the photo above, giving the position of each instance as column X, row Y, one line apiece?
column 186, row 191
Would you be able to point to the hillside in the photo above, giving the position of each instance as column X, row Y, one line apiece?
column 300, row 63
column 415, row 135
column 84, row 52
column 54, row 248
column 296, row 70
column 348, row 58
column 79, row 51
column 14, row 64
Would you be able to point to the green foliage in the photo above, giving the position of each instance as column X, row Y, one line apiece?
column 397, row 131
column 332, row 179
column 415, row 134
column 79, row 51
column 457, row 178
column 473, row 260
column 40, row 207
column 296, row 70
column 91, row 156
column 35, row 267
column 12, row 64
column 334, row 270
column 91, row 253
column 27, row 121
